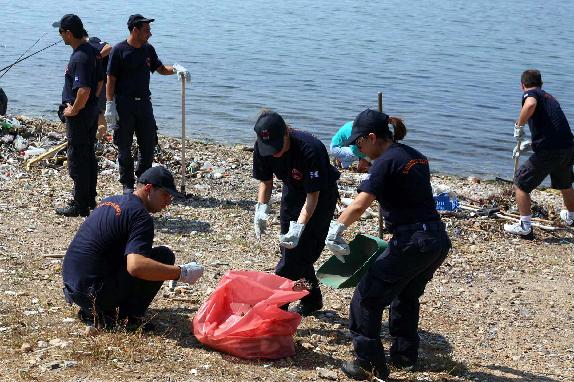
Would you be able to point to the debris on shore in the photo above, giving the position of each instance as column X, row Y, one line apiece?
column 498, row 308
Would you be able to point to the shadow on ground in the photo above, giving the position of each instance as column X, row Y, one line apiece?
column 176, row 225
column 196, row 201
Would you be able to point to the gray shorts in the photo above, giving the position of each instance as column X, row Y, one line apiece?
column 556, row 163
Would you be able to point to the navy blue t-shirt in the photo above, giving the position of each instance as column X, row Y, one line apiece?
column 549, row 128
column 120, row 225
column 132, row 67
column 82, row 71
column 99, row 45
column 400, row 181
column 304, row 168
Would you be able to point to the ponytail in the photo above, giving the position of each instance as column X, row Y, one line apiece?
column 399, row 128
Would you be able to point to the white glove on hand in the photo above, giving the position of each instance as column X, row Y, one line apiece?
column 181, row 72
column 291, row 238
column 335, row 243
column 518, row 131
column 260, row 219
column 524, row 146
column 111, row 115
column 190, row 272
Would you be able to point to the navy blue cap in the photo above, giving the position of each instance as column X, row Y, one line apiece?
column 72, row 23
column 368, row 121
column 270, row 128
column 137, row 18
column 161, row 177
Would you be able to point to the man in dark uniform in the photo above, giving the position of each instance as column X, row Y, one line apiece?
column 110, row 269
column 81, row 114
column 129, row 67
column 3, row 102
column 399, row 179
column 308, row 199
column 104, row 48
column 553, row 152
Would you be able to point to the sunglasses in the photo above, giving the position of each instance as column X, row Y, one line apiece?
column 165, row 192
column 360, row 141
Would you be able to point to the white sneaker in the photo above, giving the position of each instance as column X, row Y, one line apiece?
column 566, row 218
column 519, row 229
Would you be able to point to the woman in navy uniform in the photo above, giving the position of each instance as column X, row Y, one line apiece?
column 308, row 198
column 399, row 180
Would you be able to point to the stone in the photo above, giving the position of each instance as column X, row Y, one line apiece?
column 69, row 364
column 327, row 374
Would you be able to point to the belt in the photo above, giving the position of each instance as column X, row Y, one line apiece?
column 433, row 226
column 133, row 98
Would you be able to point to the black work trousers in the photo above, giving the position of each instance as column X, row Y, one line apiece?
column 82, row 163
column 121, row 295
column 297, row 263
column 135, row 116
column 398, row 278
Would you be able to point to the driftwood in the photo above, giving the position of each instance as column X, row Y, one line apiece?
column 45, row 155
column 506, row 216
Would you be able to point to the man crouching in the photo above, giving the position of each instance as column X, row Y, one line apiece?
column 110, row 269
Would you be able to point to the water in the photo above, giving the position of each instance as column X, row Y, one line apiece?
column 451, row 69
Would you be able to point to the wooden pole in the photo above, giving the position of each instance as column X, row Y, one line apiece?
column 45, row 155
column 381, row 219
column 183, row 165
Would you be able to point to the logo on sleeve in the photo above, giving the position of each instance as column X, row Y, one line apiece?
column 76, row 78
column 148, row 62
column 314, row 174
column 296, row 175
column 264, row 134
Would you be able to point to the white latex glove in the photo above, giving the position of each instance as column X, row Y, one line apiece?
column 260, row 219
column 524, row 146
column 335, row 243
column 518, row 131
column 181, row 72
column 291, row 238
column 190, row 272
column 111, row 115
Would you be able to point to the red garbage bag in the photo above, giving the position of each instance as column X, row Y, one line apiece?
column 242, row 316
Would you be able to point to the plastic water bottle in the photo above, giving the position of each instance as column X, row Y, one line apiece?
column 5, row 125
column 20, row 143
column 33, row 151
column 446, row 201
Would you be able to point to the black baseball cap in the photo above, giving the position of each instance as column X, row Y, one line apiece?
column 159, row 176
column 270, row 128
column 72, row 23
column 368, row 121
column 137, row 18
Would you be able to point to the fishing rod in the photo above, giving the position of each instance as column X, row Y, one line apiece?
column 26, row 51
column 28, row 56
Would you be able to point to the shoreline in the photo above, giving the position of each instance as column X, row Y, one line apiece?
column 489, row 314
column 207, row 140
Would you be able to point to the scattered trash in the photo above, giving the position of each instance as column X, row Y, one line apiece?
column 446, row 201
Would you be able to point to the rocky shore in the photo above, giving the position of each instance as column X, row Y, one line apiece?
column 499, row 309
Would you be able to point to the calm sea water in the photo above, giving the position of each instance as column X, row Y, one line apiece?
column 451, row 69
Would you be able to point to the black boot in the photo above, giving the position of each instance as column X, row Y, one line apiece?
column 362, row 370
column 402, row 362
column 73, row 209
